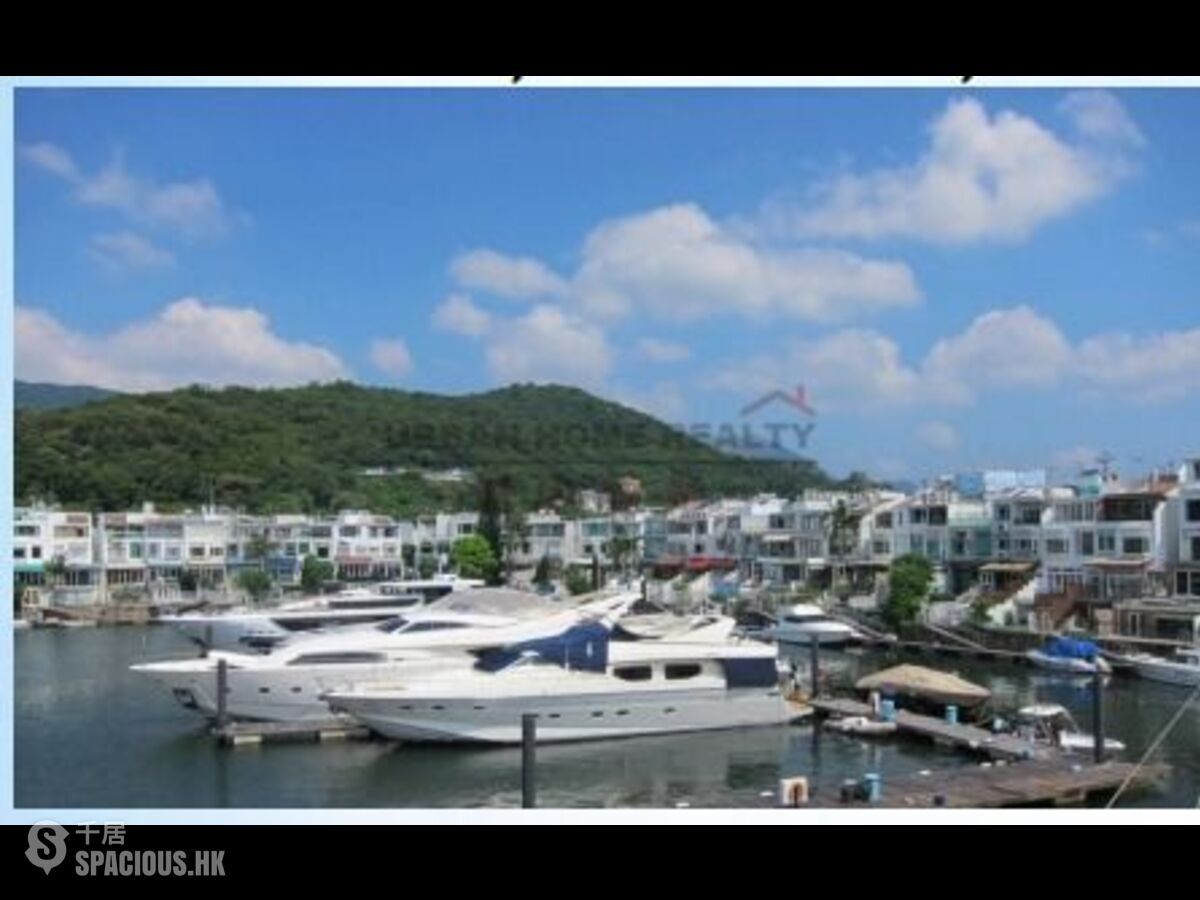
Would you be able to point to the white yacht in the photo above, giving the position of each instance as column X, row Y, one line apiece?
column 805, row 623
column 286, row 684
column 582, row 685
column 257, row 627
column 1183, row 667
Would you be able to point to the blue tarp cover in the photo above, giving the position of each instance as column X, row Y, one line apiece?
column 583, row 646
column 1070, row 648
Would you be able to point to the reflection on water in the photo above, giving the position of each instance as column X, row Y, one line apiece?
column 91, row 734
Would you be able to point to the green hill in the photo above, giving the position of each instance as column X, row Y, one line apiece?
column 36, row 395
column 309, row 449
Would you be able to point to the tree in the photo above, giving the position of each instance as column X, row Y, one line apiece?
column 473, row 558
column 254, row 582
column 490, row 514
column 258, row 548
column 55, row 570
column 542, row 574
column 426, row 567
column 843, row 532
column 578, row 581
column 909, row 582
column 620, row 550
column 514, row 536
column 314, row 573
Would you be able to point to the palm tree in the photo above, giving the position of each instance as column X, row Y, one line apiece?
column 843, row 529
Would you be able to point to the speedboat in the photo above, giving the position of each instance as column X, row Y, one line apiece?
column 1049, row 723
column 1064, row 654
column 286, row 684
column 805, row 623
column 1183, row 667
column 581, row 685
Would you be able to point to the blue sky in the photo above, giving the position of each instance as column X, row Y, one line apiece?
column 960, row 278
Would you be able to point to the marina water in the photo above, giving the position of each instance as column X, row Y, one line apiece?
column 91, row 734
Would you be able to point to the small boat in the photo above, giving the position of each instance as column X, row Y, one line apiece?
column 1050, row 723
column 1063, row 654
column 861, row 725
column 1181, row 668
column 805, row 624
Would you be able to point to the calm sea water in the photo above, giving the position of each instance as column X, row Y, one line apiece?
column 89, row 734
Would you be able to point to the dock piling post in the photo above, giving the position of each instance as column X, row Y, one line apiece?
column 222, row 690
column 814, row 664
column 208, row 641
column 1098, row 716
column 528, row 761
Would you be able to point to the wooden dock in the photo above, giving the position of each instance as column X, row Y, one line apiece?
column 966, row 737
column 237, row 734
column 1044, row 782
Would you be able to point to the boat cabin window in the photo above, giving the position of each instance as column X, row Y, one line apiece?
column 393, row 624
column 431, row 626
column 328, row 659
column 633, row 673
column 680, row 671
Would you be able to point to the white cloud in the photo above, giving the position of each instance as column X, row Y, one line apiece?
column 193, row 208
column 999, row 350
column 391, row 357
column 675, row 263
column 459, row 315
column 189, row 341
column 124, row 249
column 938, row 436
column 1099, row 115
column 845, row 370
column 1152, row 368
column 549, row 345
column 660, row 351
column 982, row 177
column 518, row 278
column 51, row 158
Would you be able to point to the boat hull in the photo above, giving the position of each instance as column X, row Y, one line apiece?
column 1167, row 672
column 564, row 718
column 1068, row 665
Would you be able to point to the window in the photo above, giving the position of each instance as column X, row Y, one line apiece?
column 680, row 671
column 1056, row 546
column 327, row 659
column 633, row 673
column 1196, row 549
column 19, row 552
column 1193, row 510
column 1133, row 545
column 1087, row 543
column 1107, row 542
column 36, row 552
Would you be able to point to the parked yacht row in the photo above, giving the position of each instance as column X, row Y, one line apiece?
column 243, row 627
column 466, row 667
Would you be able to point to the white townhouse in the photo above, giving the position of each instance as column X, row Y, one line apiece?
column 366, row 546
column 1106, row 541
column 1183, row 534
column 54, row 549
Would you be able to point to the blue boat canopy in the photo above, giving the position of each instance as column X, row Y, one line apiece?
column 1071, row 648
column 583, row 646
